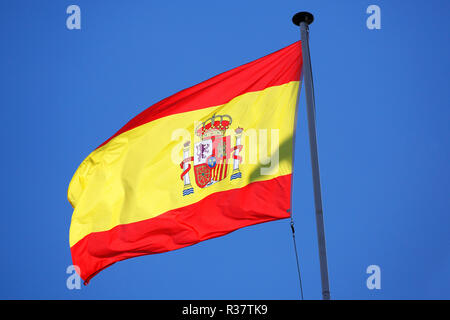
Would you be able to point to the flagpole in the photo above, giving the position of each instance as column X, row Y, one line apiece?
column 304, row 19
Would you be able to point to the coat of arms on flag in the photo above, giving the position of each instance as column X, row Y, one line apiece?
column 212, row 154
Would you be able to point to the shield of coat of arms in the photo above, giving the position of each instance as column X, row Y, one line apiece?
column 202, row 151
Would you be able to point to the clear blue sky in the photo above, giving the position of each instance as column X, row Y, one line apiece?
column 383, row 113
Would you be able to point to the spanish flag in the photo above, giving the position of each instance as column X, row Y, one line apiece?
column 199, row 164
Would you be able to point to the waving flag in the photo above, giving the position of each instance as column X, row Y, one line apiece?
column 199, row 164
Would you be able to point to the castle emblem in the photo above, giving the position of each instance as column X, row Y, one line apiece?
column 212, row 155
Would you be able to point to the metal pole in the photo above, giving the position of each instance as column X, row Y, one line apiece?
column 304, row 19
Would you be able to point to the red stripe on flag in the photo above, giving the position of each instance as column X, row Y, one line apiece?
column 255, row 203
column 275, row 69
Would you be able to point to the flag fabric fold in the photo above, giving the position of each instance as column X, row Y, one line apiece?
column 199, row 164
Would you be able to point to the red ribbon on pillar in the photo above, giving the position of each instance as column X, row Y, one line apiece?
column 188, row 168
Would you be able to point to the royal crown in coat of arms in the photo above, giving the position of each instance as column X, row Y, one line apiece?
column 212, row 154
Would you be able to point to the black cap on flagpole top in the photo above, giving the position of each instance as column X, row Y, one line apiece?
column 302, row 17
